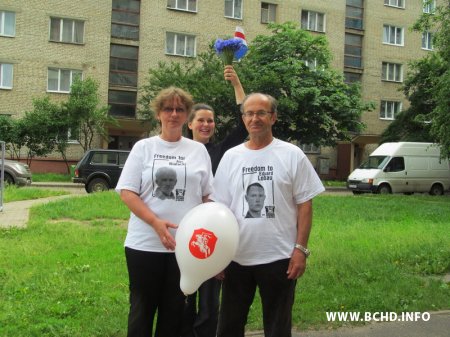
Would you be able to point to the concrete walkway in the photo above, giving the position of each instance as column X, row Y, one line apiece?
column 15, row 213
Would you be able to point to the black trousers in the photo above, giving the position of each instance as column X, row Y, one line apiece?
column 154, row 287
column 201, row 321
column 238, row 291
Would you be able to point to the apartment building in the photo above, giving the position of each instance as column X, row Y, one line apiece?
column 44, row 44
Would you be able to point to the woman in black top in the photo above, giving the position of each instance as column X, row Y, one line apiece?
column 202, row 321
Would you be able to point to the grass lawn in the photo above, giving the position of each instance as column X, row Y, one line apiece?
column 14, row 193
column 46, row 177
column 65, row 274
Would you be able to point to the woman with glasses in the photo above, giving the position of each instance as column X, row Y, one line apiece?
column 154, row 276
column 202, row 321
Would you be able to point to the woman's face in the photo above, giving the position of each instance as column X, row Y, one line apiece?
column 202, row 126
column 173, row 115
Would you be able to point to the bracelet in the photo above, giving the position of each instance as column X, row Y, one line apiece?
column 304, row 250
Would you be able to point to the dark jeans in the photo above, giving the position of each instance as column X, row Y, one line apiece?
column 154, row 286
column 202, row 322
column 238, row 291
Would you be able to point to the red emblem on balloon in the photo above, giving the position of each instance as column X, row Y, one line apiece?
column 202, row 243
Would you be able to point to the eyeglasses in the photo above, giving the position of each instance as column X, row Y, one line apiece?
column 169, row 110
column 260, row 113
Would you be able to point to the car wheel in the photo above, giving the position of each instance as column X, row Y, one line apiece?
column 384, row 189
column 97, row 185
column 357, row 192
column 437, row 189
column 8, row 179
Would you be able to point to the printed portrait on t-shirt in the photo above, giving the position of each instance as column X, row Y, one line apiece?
column 258, row 192
column 169, row 177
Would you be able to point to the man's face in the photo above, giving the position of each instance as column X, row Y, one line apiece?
column 255, row 198
column 256, row 125
column 167, row 182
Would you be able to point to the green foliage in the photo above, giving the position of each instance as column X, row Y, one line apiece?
column 46, row 177
column 43, row 127
column 428, row 87
column 11, row 135
column 87, row 118
column 315, row 105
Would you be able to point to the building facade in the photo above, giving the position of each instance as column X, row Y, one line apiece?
column 45, row 44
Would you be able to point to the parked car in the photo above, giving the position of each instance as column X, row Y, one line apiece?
column 16, row 173
column 99, row 170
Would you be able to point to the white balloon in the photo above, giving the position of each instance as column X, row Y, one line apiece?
column 206, row 241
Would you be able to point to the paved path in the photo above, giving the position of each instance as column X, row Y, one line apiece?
column 15, row 213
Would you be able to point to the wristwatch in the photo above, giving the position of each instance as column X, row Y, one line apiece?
column 304, row 250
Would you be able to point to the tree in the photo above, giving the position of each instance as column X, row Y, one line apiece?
column 86, row 118
column 428, row 87
column 8, row 133
column 39, row 128
column 439, row 23
column 413, row 124
column 315, row 105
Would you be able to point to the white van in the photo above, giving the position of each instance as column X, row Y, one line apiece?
column 402, row 167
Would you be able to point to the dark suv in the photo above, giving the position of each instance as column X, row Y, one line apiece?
column 99, row 170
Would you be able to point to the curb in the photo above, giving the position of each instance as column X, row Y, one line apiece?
column 57, row 184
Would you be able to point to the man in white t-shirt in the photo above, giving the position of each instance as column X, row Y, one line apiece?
column 272, row 248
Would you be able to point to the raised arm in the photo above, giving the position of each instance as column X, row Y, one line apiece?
column 231, row 75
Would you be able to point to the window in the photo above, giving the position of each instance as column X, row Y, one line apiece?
column 353, row 51
column 354, row 11
column 396, row 164
column 125, row 19
column 180, row 44
column 427, row 41
column 311, row 64
column 390, row 109
column 268, row 12
column 123, row 65
column 429, row 6
column 393, row 35
column 310, row 148
column 7, row 23
column 183, row 5
column 122, row 103
column 351, row 77
column 60, row 80
column 391, row 72
column 6, row 76
column 395, row 3
column 233, row 9
column 66, row 30
column 72, row 136
column 313, row 21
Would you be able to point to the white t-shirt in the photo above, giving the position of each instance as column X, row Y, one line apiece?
column 280, row 172
column 171, row 178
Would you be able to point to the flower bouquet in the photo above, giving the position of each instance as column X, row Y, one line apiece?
column 231, row 49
